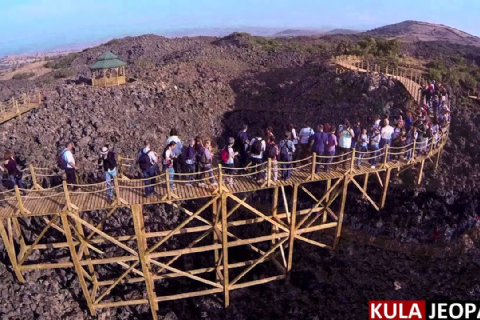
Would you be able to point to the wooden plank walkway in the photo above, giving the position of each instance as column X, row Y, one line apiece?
column 94, row 196
column 17, row 106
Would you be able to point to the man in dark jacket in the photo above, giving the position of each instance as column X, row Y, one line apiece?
column 108, row 162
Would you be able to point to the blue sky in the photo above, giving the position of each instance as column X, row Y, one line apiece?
column 40, row 25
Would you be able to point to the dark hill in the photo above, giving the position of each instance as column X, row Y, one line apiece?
column 424, row 31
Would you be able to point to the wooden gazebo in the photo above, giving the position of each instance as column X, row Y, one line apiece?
column 108, row 71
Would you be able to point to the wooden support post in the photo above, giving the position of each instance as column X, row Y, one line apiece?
column 76, row 262
column 292, row 231
column 139, row 226
column 21, row 239
column 413, row 150
column 21, row 207
column 420, row 173
column 269, row 172
column 226, row 285
column 386, row 156
column 352, row 161
column 39, row 98
column 16, row 106
column 386, row 70
column 67, row 196
column 4, row 115
column 116, row 186
column 34, row 178
column 167, row 181
column 346, row 180
column 314, row 164
column 120, row 166
column 10, row 247
column 216, row 207
column 327, row 200
column 365, row 184
column 81, row 233
column 386, row 182
column 437, row 160
column 274, row 213
column 431, row 147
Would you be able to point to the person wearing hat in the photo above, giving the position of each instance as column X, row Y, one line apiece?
column 229, row 160
column 374, row 146
column 108, row 162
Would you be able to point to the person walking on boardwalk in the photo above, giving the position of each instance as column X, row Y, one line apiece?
column 318, row 144
column 257, row 148
column 374, row 146
column 178, row 148
column 345, row 142
column 14, row 175
column 206, row 159
column 304, row 138
column 108, row 162
column 386, row 134
column 294, row 138
column 241, row 146
column 287, row 150
column 67, row 163
column 412, row 136
column 357, row 131
column 190, row 160
column 198, row 147
column 362, row 146
column 330, row 147
column 228, row 155
column 272, row 152
column 169, row 156
column 147, row 160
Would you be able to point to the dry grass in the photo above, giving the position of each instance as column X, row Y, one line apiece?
column 35, row 67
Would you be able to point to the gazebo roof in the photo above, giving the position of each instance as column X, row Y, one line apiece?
column 106, row 61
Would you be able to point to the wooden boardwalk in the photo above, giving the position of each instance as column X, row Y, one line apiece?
column 213, row 220
column 38, row 202
column 17, row 106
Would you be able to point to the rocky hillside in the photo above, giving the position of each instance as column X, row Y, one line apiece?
column 424, row 31
column 202, row 86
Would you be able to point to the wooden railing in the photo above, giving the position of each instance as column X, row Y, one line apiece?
column 410, row 79
column 16, row 106
column 108, row 81
column 207, row 183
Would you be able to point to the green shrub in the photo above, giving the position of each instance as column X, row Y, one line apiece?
column 23, row 75
column 113, row 41
column 62, row 62
column 63, row 73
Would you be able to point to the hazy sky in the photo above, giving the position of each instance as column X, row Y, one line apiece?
column 39, row 25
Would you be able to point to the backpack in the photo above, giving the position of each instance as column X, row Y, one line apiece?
column 144, row 161
column 110, row 161
column 285, row 152
column 61, row 162
column 224, row 155
column 271, row 151
column 257, row 146
column 203, row 158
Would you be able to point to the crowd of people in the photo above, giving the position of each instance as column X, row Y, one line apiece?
column 245, row 153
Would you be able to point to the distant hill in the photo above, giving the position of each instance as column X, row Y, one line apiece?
column 298, row 32
column 424, row 31
column 343, row 31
